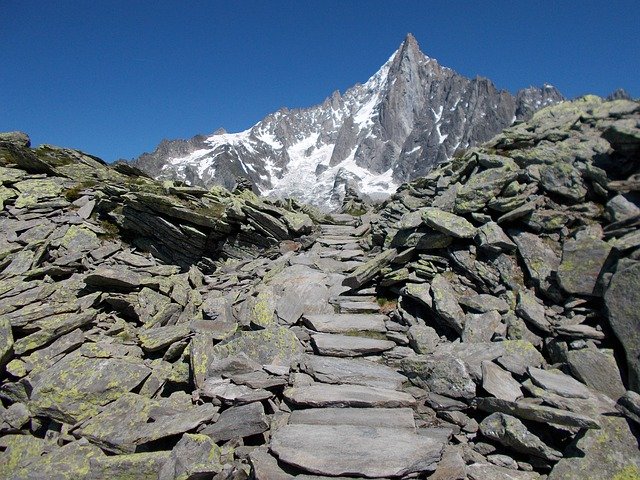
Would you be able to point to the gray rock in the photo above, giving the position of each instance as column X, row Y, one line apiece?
column 353, row 371
column 348, row 346
column 193, row 455
column 532, row 311
column 355, row 450
column 442, row 374
column 67, row 393
column 492, row 238
column 484, row 303
column 601, row 454
column 451, row 466
column 559, row 383
column 582, row 261
column 499, row 382
column 365, row 417
column 303, row 298
column 115, row 277
column 562, row 179
column 629, row 405
column 597, row 368
column 344, row 323
column 420, row 292
column 20, row 139
column 265, row 467
column 6, row 341
column 539, row 259
column 448, row 223
column 133, row 420
column 482, row 187
column 446, row 304
column 370, row 269
column 230, row 393
column 622, row 299
column 423, row 339
column 159, row 338
column 536, row 413
column 238, row 422
column 325, row 395
column 619, row 208
column 146, row 465
column 511, row 432
column 480, row 327
column 481, row 471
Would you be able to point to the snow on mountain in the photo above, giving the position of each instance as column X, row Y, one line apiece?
column 409, row 116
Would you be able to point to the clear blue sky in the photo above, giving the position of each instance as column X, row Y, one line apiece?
column 114, row 77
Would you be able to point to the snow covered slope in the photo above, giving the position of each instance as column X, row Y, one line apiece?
column 411, row 115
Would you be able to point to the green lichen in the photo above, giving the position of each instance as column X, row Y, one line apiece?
column 631, row 472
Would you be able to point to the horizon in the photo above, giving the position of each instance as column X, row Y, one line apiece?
column 115, row 79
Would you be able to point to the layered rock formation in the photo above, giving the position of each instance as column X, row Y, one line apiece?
column 482, row 324
column 408, row 117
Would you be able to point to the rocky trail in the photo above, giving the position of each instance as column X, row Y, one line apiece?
column 480, row 324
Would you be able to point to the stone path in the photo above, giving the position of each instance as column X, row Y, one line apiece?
column 350, row 414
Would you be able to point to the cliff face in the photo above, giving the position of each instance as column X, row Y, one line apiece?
column 483, row 323
column 410, row 116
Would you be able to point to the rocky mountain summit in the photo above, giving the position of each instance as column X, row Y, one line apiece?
column 410, row 116
column 482, row 324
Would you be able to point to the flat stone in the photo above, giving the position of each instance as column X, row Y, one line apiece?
column 446, row 303
column 532, row 311
column 328, row 395
column 146, row 465
column 76, row 387
column 348, row 346
column 114, row 277
column 265, row 467
column 448, row 223
column 353, row 371
column 484, row 303
column 230, row 393
column 193, row 456
column 125, row 424
column 484, row 471
column 622, row 299
column 598, row 369
column 366, row 417
column 480, row 327
column 443, row 374
column 492, row 238
column 511, row 432
column 423, row 339
column 452, row 465
column 582, row 261
column 343, row 323
column 629, row 405
column 559, row 383
column 6, row 341
column 539, row 259
column 274, row 345
column 238, row 422
column 536, row 413
column 303, row 298
column 370, row 269
column 355, row 450
column 159, row 338
column 482, row 187
column 499, row 382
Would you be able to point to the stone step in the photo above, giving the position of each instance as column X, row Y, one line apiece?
column 356, row 371
column 344, row 254
column 355, row 450
column 349, row 346
column 358, row 307
column 366, row 417
column 344, row 219
column 341, row 323
column 338, row 241
column 320, row 395
column 352, row 298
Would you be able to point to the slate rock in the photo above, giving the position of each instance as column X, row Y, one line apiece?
column 348, row 346
column 451, row 466
column 597, row 368
column 539, row 259
column 6, row 341
column 265, row 467
column 67, row 393
column 423, row 339
column 370, row 269
column 484, row 471
column 366, row 417
column 238, row 422
column 448, row 223
column 532, row 311
column 326, row 395
column 114, row 277
column 511, row 432
column 133, row 420
column 491, row 237
column 622, row 299
column 499, row 382
column 482, row 187
column 442, row 374
column 146, row 466
column 629, row 405
column 536, row 413
column 344, row 323
column 355, row 450
column 446, row 303
column 609, row 453
column 480, row 327
column 558, row 383
column 193, row 456
column 582, row 261
column 352, row 371
column 484, row 303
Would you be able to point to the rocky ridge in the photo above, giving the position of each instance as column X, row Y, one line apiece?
column 408, row 117
column 482, row 324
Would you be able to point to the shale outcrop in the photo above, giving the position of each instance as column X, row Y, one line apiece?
column 483, row 323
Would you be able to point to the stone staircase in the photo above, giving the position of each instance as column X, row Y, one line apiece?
column 350, row 413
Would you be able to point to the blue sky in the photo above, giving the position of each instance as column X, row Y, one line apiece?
column 114, row 77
